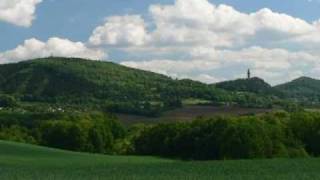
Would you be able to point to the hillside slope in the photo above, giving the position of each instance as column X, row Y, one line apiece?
column 254, row 85
column 56, row 77
column 303, row 89
column 96, row 83
column 28, row 162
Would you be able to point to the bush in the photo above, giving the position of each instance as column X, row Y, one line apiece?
column 7, row 101
column 95, row 134
column 221, row 138
column 17, row 134
column 89, row 132
column 306, row 128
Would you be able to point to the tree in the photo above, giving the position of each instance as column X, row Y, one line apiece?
column 7, row 101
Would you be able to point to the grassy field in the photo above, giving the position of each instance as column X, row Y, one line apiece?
column 27, row 162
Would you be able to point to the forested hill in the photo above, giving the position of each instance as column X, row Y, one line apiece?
column 55, row 77
column 254, row 85
column 303, row 89
column 97, row 83
column 73, row 82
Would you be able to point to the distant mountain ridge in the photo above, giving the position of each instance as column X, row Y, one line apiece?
column 98, row 84
column 304, row 90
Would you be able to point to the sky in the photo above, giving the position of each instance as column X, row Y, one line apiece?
column 205, row 40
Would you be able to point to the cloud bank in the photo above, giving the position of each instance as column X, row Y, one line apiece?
column 34, row 48
column 18, row 12
column 193, row 39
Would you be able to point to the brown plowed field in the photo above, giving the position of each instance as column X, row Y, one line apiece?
column 190, row 113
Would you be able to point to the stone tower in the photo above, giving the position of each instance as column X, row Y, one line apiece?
column 249, row 74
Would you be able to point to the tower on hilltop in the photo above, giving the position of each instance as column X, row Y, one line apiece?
column 248, row 74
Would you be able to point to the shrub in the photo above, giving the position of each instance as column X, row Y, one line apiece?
column 265, row 136
column 7, row 101
column 17, row 134
column 306, row 128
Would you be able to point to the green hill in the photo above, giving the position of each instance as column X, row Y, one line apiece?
column 73, row 83
column 55, row 78
column 254, row 85
column 28, row 162
column 303, row 89
column 96, row 83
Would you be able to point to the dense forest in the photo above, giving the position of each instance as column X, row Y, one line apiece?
column 89, row 132
column 277, row 134
column 304, row 90
column 265, row 136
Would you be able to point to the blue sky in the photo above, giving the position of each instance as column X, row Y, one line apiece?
column 71, row 21
column 76, row 19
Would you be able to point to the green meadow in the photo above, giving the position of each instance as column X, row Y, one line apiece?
column 28, row 162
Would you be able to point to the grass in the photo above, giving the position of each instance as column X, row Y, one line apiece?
column 27, row 162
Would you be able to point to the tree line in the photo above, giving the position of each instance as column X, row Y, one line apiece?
column 268, row 136
column 87, row 132
column 271, row 135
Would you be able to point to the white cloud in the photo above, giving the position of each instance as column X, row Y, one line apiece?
column 191, row 23
column 123, row 30
column 200, row 40
column 275, row 65
column 173, row 67
column 18, row 12
column 33, row 48
column 206, row 78
column 198, row 22
column 268, row 20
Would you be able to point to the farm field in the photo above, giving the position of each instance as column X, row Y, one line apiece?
column 28, row 162
column 189, row 113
